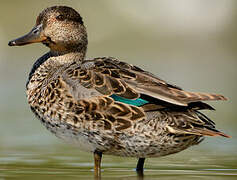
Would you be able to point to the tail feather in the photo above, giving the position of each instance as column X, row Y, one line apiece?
column 197, row 131
column 209, row 132
column 207, row 96
column 224, row 135
column 189, row 97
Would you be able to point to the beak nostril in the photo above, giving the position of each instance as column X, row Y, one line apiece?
column 35, row 31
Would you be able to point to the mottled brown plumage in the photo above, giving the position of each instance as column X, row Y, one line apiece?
column 105, row 105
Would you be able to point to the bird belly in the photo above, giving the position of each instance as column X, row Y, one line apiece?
column 79, row 140
column 137, row 145
column 67, row 134
column 141, row 146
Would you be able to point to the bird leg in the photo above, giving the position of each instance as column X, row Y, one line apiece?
column 97, row 163
column 140, row 165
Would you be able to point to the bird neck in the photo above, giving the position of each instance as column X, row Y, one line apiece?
column 70, row 56
column 61, row 58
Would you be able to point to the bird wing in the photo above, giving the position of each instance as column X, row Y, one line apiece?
column 118, row 85
column 110, row 76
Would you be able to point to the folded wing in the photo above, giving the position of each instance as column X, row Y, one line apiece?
column 110, row 76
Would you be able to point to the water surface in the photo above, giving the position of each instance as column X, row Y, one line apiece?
column 66, row 162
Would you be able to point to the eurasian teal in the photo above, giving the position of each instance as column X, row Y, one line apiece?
column 104, row 105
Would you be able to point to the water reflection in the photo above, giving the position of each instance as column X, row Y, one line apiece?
column 51, row 171
column 67, row 163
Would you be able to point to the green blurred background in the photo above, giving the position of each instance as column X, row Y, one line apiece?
column 190, row 43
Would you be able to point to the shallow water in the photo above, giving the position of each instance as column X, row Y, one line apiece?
column 66, row 162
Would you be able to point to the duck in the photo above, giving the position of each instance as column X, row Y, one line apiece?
column 104, row 105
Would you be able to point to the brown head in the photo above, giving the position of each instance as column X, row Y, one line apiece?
column 60, row 28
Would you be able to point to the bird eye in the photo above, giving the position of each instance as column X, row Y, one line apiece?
column 60, row 17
